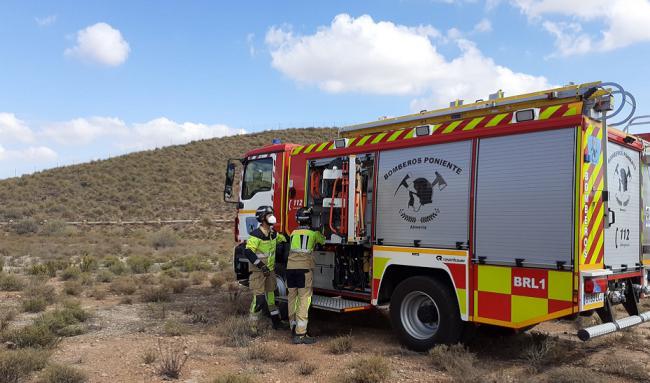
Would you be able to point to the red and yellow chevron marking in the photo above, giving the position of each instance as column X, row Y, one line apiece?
column 518, row 297
column 591, row 202
column 450, row 127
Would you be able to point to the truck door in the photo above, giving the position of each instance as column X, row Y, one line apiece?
column 256, row 190
column 622, row 238
column 645, row 199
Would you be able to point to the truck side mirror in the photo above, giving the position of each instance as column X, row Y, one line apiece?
column 230, row 180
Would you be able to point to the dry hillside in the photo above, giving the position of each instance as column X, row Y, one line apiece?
column 176, row 182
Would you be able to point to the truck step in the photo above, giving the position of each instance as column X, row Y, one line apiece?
column 335, row 304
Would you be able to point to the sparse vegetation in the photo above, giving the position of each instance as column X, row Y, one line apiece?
column 306, row 368
column 72, row 287
column 625, row 368
column 26, row 226
column 340, row 345
column 124, row 286
column 149, row 356
column 174, row 328
column 572, row 374
column 172, row 358
column 456, row 361
column 62, row 374
column 374, row 369
column 139, row 264
column 70, row 272
column 155, row 294
column 233, row 378
column 10, row 282
column 16, row 365
column 238, row 331
column 265, row 353
column 165, row 237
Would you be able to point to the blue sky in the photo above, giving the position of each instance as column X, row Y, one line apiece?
column 88, row 80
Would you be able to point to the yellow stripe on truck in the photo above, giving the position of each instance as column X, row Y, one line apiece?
column 548, row 112
column 496, row 120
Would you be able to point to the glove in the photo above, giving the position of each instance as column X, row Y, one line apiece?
column 265, row 269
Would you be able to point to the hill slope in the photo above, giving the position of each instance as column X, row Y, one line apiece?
column 176, row 182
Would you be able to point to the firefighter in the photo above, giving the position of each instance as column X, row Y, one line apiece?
column 260, row 251
column 300, row 275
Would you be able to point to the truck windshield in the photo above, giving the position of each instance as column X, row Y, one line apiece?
column 258, row 177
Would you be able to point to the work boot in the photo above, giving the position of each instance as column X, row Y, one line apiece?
column 303, row 339
column 278, row 324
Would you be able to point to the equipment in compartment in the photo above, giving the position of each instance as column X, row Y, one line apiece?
column 340, row 194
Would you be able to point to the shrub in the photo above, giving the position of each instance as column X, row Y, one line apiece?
column 265, row 353
column 165, row 237
column 62, row 374
column 233, row 378
column 25, row 226
column 39, row 289
column 238, row 331
column 176, row 285
column 10, row 282
column 98, row 293
column 117, row 268
column 2, row 263
column 155, row 294
column 64, row 321
column 192, row 263
column 53, row 228
column 31, row 336
column 39, row 269
column 104, row 276
column 172, row 358
column 306, row 368
column 139, row 264
column 198, row 277
column 149, row 356
column 340, row 345
column 217, row 280
column 70, row 272
column 374, row 369
column 34, row 305
column 72, row 287
column 174, row 328
column 88, row 263
column 457, row 361
column 16, row 365
column 123, row 286
column 6, row 317
column 543, row 351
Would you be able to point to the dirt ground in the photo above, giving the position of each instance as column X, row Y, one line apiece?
column 123, row 329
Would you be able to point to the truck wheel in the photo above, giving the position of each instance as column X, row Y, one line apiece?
column 424, row 312
column 281, row 291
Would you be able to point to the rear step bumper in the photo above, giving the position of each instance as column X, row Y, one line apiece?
column 335, row 304
column 610, row 327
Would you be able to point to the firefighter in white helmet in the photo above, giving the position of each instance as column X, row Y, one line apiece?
column 260, row 251
column 300, row 275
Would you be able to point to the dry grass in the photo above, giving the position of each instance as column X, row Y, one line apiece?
column 237, row 331
column 306, row 368
column 124, row 286
column 233, row 378
column 625, row 368
column 72, row 288
column 340, row 345
column 149, row 356
column 62, row 374
column 572, row 374
column 172, row 358
column 456, row 361
column 16, row 365
column 374, row 369
column 174, row 328
column 11, row 282
column 266, row 353
column 155, row 294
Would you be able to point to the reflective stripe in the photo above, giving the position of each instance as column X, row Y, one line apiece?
column 450, row 128
column 496, row 120
column 275, row 312
column 363, row 140
column 548, row 112
column 472, row 124
column 257, row 261
column 394, row 136
column 309, row 148
column 322, row 146
column 297, row 150
column 302, row 323
column 379, row 137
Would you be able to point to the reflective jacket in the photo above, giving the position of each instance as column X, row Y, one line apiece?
column 260, row 247
column 303, row 242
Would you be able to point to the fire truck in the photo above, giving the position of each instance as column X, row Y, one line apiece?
column 509, row 211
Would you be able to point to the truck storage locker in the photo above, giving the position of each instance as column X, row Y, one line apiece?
column 622, row 237
column 423, row 196
column 525, row 198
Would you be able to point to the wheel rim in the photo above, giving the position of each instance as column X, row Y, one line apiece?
column 420, row 315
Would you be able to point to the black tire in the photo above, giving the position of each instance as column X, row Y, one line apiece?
column 431, row 295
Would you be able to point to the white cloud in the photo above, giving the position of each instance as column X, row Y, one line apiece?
column 483, row 26
column 163, row 131
column 102, row 44
column 361, row 55
column 14, row 129
column 622, row 23
column 84, row 130
column 46, row 21
column 250, row 41
column 34, row 154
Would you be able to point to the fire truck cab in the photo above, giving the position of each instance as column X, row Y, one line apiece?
column 507, row 212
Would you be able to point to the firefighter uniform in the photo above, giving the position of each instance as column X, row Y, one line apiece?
column 260, row 251
column 300, row 276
